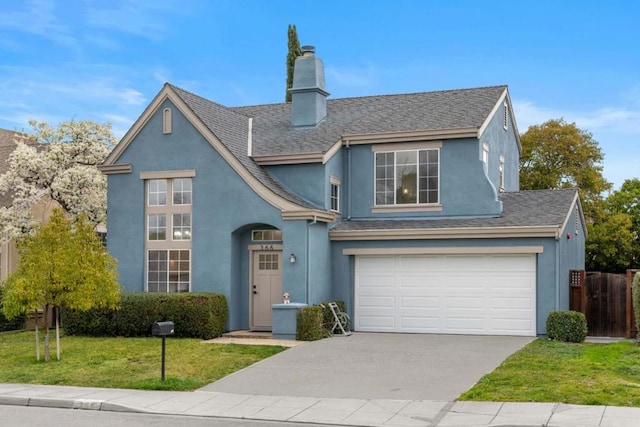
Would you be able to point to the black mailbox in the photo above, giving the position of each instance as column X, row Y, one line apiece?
column 162, row 329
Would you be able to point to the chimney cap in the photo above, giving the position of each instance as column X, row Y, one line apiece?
column 308, row 50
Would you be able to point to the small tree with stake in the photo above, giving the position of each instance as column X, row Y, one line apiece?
column 62, row 264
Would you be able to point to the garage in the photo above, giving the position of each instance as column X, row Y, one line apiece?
column 475, row 294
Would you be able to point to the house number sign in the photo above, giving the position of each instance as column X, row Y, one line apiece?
column 266, row 247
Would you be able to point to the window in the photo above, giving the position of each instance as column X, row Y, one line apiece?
column 168, row 271
column 157, row 192
column 266, row 235
column 501, row 173
column 485, row 157
column 505, row 119
column 407, row 177
column 169, row 232
column 182, row 226
column 157, row 227
column 166, row 121
column 334, row 197
column 182, row 191
column 268, row 262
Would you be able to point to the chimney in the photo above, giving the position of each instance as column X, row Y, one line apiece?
column 308, row 94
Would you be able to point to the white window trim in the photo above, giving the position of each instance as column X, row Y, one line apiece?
column 334, row 182
column 405, row 207
column 501, row 174
column 485, row 157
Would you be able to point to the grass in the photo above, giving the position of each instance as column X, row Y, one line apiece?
column 551, row 371
column 133, row 363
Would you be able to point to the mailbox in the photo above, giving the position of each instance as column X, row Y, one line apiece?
column 162, row 329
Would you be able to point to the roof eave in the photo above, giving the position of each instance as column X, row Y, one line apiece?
column 447, row 233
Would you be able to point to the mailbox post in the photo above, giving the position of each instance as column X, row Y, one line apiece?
column 162, row 330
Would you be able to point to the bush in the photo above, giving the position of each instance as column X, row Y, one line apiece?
column 309, row 326
column 635, row 290
column 567, row 326
column 196, row 315
column 10, row 324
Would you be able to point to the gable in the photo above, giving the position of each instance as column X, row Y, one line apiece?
column 227, row 133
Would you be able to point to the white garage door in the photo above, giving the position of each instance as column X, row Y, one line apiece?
column 447, row 294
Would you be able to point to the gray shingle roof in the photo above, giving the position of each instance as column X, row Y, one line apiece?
column 232, row 129
column 451, row 109
column 540, row 208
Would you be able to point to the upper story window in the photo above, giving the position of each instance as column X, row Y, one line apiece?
column 407, row 177
column 485, row 157
column 169, row 214
column 501, row 173
column 166, row 121
column 334, row 198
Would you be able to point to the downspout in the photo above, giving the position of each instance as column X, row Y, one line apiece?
column 557, row 272
column 309, row 224
column 348, row 174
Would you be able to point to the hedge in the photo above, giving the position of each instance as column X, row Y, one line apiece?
column 309, row 326
column 196, row 315
column 10, row 324
column 567, row 326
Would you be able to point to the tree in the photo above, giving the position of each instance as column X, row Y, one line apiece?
column 62, row 264
column 626, row 200
column 293, row 52
column 609, row 246
column 61, row 164
column 557, row 154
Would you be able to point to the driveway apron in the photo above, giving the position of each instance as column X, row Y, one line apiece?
column 375, row 366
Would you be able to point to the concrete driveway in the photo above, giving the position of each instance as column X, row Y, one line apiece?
column 375, row 366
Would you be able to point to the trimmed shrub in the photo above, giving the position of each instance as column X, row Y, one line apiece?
column 10, row 324
column 635, row 290
column 309, row 326
column 567, row 326
column 196, row 315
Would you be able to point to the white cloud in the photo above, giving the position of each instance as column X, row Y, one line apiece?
column 621, row 119
column 365, row 75
column 38, row 17
column 146, row 19
column 615, row 128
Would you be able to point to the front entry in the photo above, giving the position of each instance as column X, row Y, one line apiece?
column 266, row 287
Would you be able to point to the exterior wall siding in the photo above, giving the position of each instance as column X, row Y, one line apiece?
column 502, row 142
column 344, row 267
column 464, row 188
column 224, row 210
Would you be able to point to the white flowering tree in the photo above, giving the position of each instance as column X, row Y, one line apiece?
column 58, row 163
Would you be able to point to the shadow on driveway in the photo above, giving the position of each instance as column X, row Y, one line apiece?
column 376, row 366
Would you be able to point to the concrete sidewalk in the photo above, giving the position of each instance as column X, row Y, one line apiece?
column 357, row 412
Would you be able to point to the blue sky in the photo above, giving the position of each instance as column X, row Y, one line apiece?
column 105, row 60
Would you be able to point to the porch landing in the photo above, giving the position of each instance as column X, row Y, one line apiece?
column 252, row 338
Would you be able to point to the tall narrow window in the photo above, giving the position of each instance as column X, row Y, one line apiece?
column 166, row 121
column 335, row 194
column 169, row 233
column 501, row 174
column 485, row 157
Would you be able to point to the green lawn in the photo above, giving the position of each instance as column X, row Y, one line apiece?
column 550, row 371
column 124, row 362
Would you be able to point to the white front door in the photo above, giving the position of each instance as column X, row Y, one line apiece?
column 266, row 287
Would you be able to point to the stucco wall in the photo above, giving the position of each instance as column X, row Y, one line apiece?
column 501, row 142
column 464, row 188
column 343, row 267
column 223, row 211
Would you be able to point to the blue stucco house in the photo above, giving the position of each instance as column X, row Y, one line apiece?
column 406, row 207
